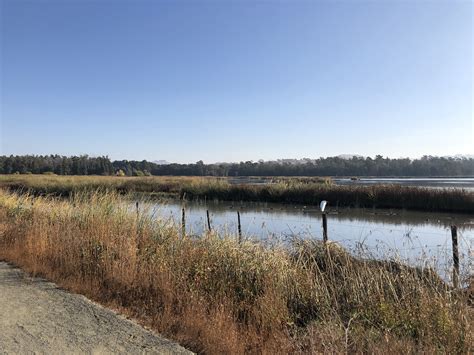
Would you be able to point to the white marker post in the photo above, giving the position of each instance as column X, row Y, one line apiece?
column 322, row 206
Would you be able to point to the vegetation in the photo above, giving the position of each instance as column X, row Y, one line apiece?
column 215, row 295
column 308, row 191
column 332, row 166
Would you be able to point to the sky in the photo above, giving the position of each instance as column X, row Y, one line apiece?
column 236, row 80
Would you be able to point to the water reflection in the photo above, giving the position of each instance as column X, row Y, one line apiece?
column 418, row 238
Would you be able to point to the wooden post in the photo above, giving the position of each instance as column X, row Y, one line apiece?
column 239, row 227
column 139, row 239
column 325, row 228
column 183, row 222
column 454, row 237
column 208, row 221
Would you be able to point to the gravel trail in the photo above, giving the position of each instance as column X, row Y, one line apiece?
column 37, row 317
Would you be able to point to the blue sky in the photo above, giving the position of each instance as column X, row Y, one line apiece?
column 236, row 80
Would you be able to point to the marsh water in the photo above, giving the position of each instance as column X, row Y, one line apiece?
column 458, row 183
column 466, row 183
column 417, row 238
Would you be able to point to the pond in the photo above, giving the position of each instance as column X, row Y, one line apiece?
column 416, row 238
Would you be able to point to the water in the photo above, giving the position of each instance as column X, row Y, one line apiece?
column 459, row 183
column 466, row 183
column 416, row 238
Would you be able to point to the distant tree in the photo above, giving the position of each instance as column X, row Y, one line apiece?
column 330, row 166
column 137, row 172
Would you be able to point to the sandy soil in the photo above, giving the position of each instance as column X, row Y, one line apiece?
column 37, row 317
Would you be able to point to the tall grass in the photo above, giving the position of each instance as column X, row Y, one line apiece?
column 215, row 295
column 383, row 196
column 67, row 185
column 307, row 191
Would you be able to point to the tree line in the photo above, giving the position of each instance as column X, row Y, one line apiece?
column 331, row 166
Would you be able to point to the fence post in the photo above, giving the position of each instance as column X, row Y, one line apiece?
column 208, row 221
column 239, row 227
column 322, row 207
column 325, row 228
column 454, row 237
column 136, row 206
column 183, row 222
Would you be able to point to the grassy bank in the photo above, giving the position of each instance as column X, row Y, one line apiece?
column 215, row 295
column 66, row 185
column 308, row 191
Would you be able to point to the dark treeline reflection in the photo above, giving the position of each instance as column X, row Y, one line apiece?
column 332, row 166
column 300, row 214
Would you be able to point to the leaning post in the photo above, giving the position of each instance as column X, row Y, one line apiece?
column 208, row 221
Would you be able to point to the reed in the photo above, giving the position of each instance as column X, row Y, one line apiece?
column 307, row 191
column 214, row 295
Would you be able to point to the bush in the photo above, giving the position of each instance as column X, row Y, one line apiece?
column 120, row 172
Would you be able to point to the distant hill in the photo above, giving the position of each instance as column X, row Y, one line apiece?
column 460, row 156
column 161, row 162
column 349, row 156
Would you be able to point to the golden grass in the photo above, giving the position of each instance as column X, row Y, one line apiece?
column 215, row 295
column 308, row 191
column 65, row 185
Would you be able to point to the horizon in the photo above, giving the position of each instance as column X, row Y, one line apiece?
column 238, row 81
column 341, row 156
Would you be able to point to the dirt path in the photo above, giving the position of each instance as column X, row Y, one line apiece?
column 37, row 317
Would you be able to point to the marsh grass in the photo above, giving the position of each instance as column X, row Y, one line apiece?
column 308, row 191
column 215, row 295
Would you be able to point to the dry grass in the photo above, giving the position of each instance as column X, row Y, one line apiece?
column 308, row 191
column 67, row 185
column 215, row 295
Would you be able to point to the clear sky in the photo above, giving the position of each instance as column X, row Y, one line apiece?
column 236, row 80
